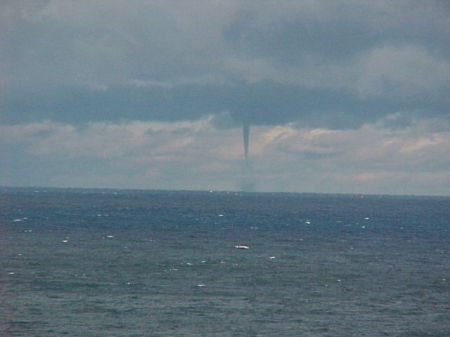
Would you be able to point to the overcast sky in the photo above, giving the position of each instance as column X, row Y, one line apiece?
column 343, row 96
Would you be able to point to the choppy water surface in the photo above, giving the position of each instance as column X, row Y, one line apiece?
column 130, row 263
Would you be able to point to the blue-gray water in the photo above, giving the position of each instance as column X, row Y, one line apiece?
column 155, row 263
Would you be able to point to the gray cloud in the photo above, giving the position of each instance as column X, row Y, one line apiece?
column 336, row 62
column 334, row 91
column 287, row 31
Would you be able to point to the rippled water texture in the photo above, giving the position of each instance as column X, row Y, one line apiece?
column 130, row 263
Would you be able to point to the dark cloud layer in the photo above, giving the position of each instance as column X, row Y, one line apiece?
column 333, row 63
column 262, row 103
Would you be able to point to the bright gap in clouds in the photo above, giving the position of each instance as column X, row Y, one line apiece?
column 374, row 158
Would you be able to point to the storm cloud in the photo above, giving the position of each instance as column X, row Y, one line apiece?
column 277, row 61
column 347, row 66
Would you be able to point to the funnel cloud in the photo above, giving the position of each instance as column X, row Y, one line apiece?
column 246, row 135
column 248, row 179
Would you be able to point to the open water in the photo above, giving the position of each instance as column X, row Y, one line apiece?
column 160, row 263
